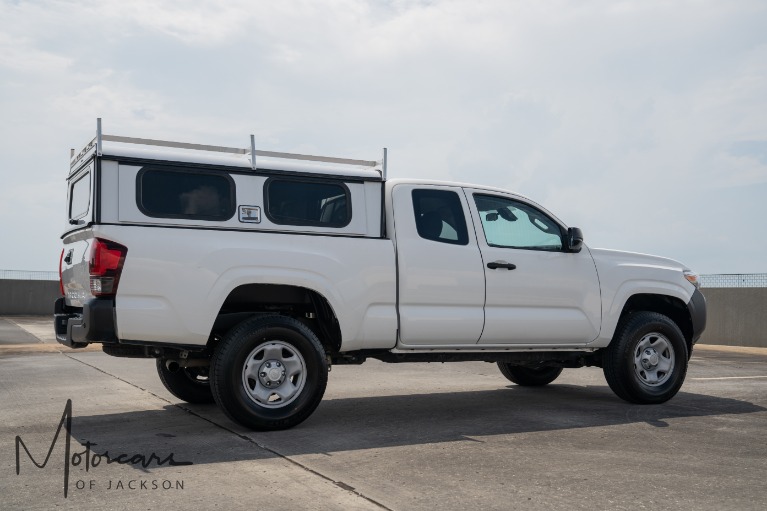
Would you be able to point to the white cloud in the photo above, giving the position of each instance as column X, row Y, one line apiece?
column 618, row 116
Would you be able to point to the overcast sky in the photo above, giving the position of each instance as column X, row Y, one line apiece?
column 642, row 122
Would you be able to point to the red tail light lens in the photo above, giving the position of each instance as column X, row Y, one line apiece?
column 61, row 279
column 106, row 265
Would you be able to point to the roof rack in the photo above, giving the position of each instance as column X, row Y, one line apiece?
column 97, row 143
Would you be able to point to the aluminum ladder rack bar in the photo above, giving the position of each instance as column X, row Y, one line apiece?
column 236, row 150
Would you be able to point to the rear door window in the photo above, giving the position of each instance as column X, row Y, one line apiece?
column 309, row 203
column 185, row 193
column 439, row 216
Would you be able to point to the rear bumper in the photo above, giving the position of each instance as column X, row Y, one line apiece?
column 77, row 328
column 697, row 308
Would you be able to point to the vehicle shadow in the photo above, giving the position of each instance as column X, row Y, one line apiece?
column 388, row 421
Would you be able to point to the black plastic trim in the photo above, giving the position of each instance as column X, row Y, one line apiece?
column 383, row 209
column 76, row 328
column 96, row 216
column 697, row 308
column 166, row 345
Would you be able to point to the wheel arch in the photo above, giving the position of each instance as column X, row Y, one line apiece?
column 304, row 304
column 670, row 306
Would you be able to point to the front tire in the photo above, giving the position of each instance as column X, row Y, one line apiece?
column 188, row 384
column 528, row 376
column 269, row 373
column 646, row 362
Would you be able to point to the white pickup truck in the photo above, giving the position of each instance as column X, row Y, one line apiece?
column 247, row 273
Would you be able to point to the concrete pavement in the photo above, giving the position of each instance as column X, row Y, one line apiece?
column 409, row 436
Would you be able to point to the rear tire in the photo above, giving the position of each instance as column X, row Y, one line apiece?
column 190, row 384
column 527, row 376
column 269, row 373
column 646, row 362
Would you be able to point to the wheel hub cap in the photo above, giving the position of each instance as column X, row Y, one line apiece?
column 654, row 359
column 274, row 374
column 650, row 358
column 271, row 373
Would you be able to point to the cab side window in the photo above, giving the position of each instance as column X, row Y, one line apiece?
column 439, row 216
column 512, row 224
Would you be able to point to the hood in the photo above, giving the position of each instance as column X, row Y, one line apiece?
column 622, row 258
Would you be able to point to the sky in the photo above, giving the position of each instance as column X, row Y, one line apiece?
column 644, row 123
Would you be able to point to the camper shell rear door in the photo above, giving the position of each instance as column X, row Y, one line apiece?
column 78, row 236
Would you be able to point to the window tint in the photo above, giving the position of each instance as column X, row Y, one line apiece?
column 185, row 193
column 80, row 197
column 314, row 203
column 513, row 224
column 439, row 216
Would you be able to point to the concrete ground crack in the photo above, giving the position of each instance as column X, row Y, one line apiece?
column 340, row 484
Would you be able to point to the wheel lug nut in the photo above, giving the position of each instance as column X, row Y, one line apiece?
column 268, row 364
column 268, row 384
column 262, row 375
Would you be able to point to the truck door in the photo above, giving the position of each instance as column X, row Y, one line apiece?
column 536, row 293
column 441, row 280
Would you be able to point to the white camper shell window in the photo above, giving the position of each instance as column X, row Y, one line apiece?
column 80, row 197
column 185, row 193
column 307, row 202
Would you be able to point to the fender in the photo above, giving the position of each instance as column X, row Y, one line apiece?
column 624, row 274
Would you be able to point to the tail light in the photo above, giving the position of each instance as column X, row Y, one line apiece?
column 61, row 279
column 106, row 265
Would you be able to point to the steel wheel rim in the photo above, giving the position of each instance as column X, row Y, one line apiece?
column 274, row 374
column 654, row 359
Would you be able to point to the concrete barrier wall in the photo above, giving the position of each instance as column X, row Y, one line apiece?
column 28, row 296
column 736, row 316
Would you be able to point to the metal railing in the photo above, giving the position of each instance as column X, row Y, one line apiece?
column 734, row 280
column 28, row 275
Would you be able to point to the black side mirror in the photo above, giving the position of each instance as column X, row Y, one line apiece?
column 574, row 239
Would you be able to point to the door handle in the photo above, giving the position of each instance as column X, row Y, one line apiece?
column 68, row 258
column 501, row 264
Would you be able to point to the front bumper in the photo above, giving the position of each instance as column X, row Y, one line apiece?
column 77, row 328
column 697, row 308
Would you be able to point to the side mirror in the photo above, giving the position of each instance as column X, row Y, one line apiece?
column 574, row 239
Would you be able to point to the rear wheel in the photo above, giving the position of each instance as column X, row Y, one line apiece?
column 646, row 362
column 528, row 376
column 190, row 384
column 269, row 373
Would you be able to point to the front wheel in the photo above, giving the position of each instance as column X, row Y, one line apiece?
column 646, row 362
column 528, row 376
column 269, row 373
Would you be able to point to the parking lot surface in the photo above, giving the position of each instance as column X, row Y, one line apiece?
column 409, row 436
